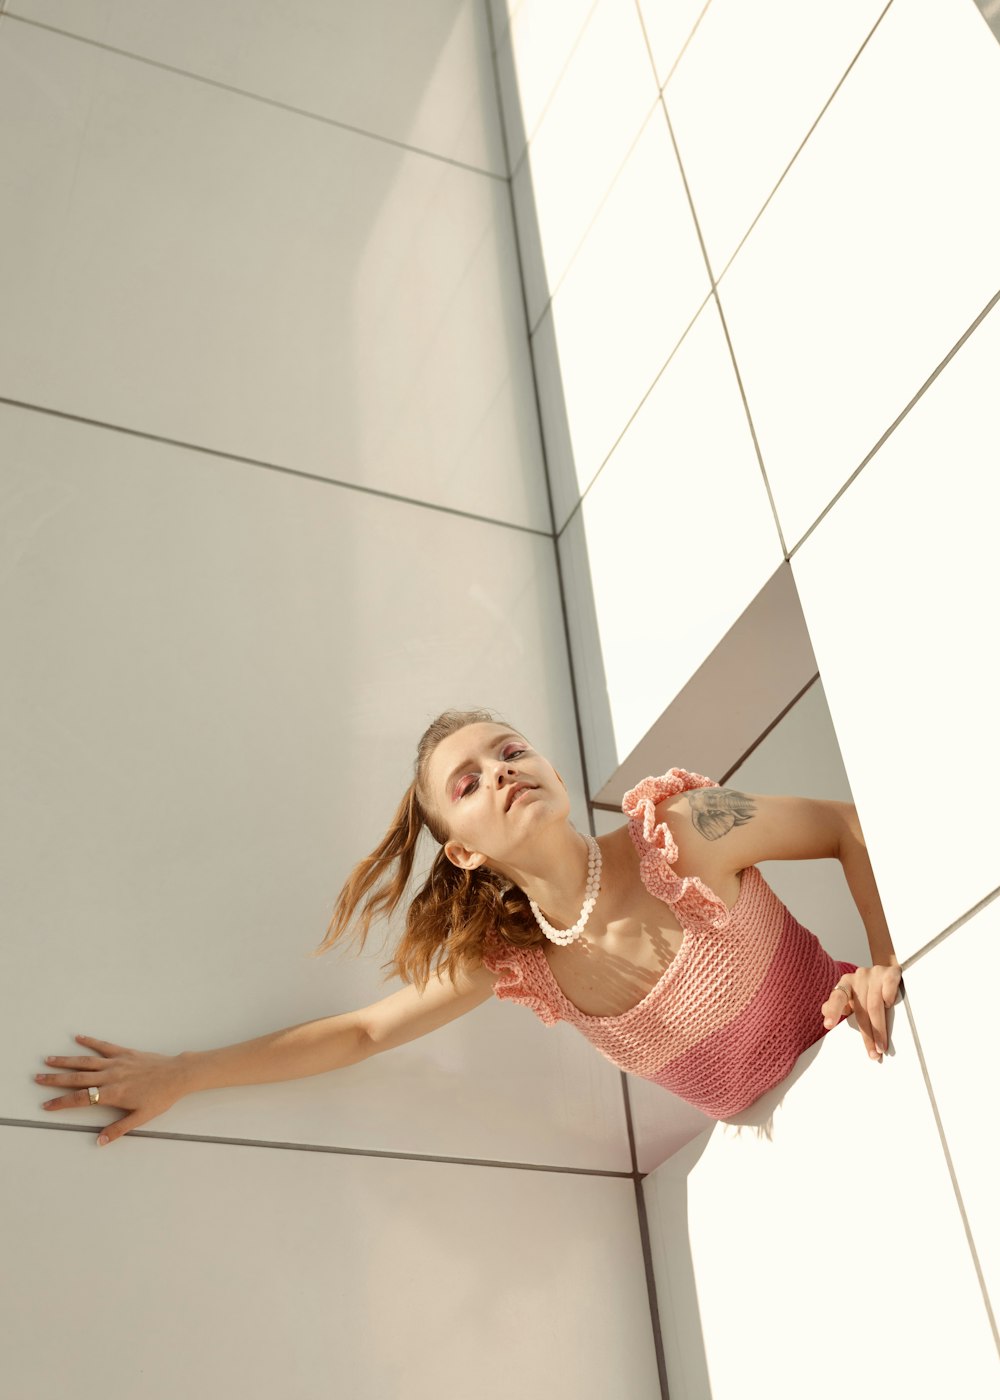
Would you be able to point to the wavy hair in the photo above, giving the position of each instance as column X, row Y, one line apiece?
column 454, row 910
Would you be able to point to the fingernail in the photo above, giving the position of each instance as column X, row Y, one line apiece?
column 101, row 1141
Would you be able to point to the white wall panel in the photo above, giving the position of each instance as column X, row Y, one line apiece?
column 752, row 81
column 532, row 54
column 422, row 74
column 668, row 28
column 675, row 537
column 159, row 1268
column 957, row 1033
column 876, row 253
column 602, row 100
column 635, row 286
column 898, row 585
column 817, row 1237
column 188, row 262
column 217, row 677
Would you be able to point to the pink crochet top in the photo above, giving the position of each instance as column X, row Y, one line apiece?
column 735, row 1008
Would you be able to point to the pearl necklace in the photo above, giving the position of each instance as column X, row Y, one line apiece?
column 589, row 900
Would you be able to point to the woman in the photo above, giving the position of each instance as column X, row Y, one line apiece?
column 661, row 942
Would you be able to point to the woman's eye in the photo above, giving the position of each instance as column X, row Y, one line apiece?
column 475, row 782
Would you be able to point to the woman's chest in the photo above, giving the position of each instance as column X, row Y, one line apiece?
column 610, row 973
column 611, row 969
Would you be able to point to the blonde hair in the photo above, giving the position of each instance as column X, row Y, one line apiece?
column 455, row 909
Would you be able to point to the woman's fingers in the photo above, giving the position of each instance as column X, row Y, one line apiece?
column 78, row 1072
column 112, row 1131
column 86, row 1062
column 835, row 1006
column 882, row 990
column 865, row 1027
column 143, row 1083
column 73, row 1072
column 876, row 1017
column 841, row 1002
column 70, row 1080
column 79, row 1099
column 877, row 989
column 872, row 986
column 103, row 1047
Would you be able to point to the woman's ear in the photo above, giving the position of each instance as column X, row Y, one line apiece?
column 462, row 857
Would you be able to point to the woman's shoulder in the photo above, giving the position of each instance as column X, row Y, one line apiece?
column 659, row 812
column 671, row 854
column 656, row 792
column 518, row 974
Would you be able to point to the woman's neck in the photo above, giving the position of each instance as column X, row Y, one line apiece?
column 555, row 876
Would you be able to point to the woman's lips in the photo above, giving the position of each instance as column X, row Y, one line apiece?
column 518, row 795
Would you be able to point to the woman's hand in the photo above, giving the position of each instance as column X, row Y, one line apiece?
column 138, row 1080
column 872, row 990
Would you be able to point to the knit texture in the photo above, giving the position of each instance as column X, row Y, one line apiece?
column 735, row 1008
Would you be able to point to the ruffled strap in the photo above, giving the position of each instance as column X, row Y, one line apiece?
column 692, row 901
column 520, row 977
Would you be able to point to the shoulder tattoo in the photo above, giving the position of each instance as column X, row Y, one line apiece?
column 715, row 811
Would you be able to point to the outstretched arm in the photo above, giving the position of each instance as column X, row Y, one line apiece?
column 146, row 1084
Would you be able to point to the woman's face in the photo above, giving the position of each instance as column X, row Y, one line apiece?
column 472, row 775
